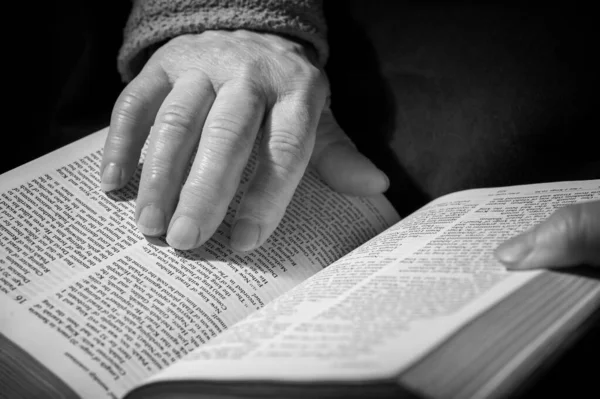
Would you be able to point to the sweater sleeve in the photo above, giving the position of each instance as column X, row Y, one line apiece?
column 151, row 22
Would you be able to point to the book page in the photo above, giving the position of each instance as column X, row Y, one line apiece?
column 386, row 304
column 114, row 308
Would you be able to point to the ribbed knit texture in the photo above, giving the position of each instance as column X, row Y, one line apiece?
column 152, row 22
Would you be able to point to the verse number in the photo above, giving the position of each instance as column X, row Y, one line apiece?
column 20, row 299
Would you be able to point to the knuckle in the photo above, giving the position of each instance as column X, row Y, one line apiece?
column 251, row 92
column 307, row 73
column 250, row 78
column 118, row 142
column 302, row 90
column 198, row 195
column 161, row 167
column 128, row 105
column 225, row 133
column 155, row 180
column 226, row 124
column 302, row 76
column 289, row 153
column 177, row 119
column 249, row 83
column 313, row 74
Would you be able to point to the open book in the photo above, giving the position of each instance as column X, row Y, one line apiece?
column 344, row 299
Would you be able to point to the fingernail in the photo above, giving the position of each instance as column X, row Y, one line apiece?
column 151, row 221
column 183, row 234
column 111, row 177
column 514, row 251
column 245, row 235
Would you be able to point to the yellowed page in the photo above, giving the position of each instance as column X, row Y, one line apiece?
column 383, row 306
column 89, row 297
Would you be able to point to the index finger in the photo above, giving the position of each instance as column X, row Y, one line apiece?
column 130, row 122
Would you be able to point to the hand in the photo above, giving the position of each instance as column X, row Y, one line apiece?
column 569, row 237
column 213, row 91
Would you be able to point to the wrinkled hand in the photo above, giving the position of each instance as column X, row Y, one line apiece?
column 569, row 237
column 214, row 91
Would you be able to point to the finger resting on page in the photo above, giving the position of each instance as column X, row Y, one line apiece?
column 131, row 119
column 172, row 142
column 283, row 157
column 227, row 139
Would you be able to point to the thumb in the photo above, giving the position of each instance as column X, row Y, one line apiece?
column 569, row 237
column 341, row 165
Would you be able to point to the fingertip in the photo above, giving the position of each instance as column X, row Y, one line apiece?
column 378, row 183
column 245, row 235
column 348, row 171
column 152, row 221
column 513, row 251
column 112, row 178
column 531, row 250
column 108, row 187
column 364, row 184
column 183, row 234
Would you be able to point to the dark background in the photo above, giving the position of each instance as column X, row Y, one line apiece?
column 441, row 97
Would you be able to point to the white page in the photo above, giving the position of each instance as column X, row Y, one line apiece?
column 113, row 308
column 382, row 307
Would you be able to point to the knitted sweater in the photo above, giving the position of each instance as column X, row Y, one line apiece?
column 152, row 22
